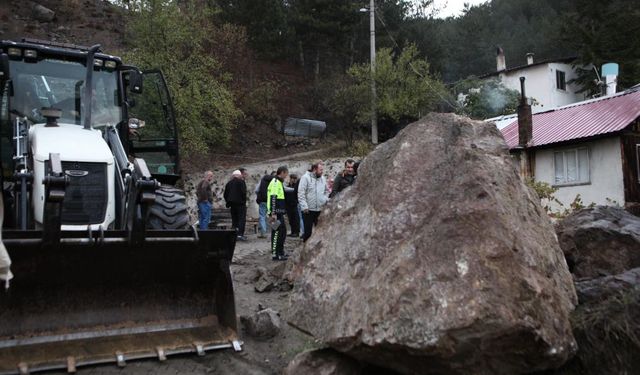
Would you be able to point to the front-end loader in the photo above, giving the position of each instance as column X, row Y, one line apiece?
column 106, row 266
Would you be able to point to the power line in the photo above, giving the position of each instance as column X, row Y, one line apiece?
column 413, row 67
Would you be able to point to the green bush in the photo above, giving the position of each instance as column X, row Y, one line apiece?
column 175, row 36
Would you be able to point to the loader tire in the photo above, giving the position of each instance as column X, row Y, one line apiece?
column 170, row 210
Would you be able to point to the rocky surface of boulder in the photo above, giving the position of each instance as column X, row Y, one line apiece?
column 600, row 241
column 439, row 260
column 604, row 287
column 606, row 325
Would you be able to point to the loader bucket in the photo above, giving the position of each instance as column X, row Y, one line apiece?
column 94, row 298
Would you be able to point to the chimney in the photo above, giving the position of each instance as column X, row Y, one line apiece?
column 525, row 118
column 530, row 58
column 610, row 77
column 501, row 62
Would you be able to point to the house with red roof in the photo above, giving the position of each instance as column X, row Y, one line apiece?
column 551, row 82
column 590, row 148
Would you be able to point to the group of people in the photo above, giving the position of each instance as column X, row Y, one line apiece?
column 235, row 196
column 278, row 194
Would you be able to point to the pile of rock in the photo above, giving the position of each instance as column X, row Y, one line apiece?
column 438, row 261
column 600, row 241
column 602, row 246
column 272, row 278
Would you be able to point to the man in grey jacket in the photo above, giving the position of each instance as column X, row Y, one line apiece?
column 313, row 194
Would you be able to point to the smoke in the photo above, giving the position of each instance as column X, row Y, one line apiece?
column 495, row 98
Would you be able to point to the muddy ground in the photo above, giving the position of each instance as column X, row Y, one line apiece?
column 259, row 356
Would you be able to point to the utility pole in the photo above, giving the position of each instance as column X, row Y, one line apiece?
column 372, row 30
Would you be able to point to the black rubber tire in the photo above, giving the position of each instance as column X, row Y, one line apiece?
column 170, row 210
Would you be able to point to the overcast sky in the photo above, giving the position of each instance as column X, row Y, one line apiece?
column 454, row 7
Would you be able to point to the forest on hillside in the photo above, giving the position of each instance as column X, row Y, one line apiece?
column 419, row 54
column 335, row 34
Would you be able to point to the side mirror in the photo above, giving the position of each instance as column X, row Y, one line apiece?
column 4, row 67
column 135, row 82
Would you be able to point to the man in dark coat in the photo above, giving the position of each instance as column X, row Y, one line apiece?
column 344, row 179
column 261, row 200
column 291, row 201
column 235, row 195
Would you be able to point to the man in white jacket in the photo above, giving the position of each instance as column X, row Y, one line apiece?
column 313, row 194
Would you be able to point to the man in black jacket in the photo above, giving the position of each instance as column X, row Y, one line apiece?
column 344, row 179
column 291, row 201
column 261, row 200
column 235, row 194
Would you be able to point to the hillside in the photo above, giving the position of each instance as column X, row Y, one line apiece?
column 100, row 22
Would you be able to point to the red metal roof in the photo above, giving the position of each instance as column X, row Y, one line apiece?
column 581, row 120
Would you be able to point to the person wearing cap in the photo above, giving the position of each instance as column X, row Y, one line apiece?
column 235, row 196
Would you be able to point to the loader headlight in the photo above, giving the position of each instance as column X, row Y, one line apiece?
column 14, row 52
column 98, row 63
column 110, row 64
column 30, row 54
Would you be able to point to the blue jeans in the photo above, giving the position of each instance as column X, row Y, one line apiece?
column 262, row 221
column 301, row 221
column 204, row 212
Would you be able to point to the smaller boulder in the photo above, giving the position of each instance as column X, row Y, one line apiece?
column 323, row 362
column 606, row 325
column 263, row 324
column 270, row 279
column 599, row 289
column 43, row 14
column 600, row 241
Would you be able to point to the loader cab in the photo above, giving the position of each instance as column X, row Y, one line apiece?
column 53, row 76
column 46, row 77
column 152, row 132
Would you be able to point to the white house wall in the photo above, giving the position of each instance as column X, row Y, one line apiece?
column 605, row 169
column 541, row 85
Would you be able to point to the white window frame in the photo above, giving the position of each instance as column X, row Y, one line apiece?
column 574, row 151
column 638, row 160
column 564, row 76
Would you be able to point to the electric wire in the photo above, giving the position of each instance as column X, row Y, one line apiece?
column 442, row 97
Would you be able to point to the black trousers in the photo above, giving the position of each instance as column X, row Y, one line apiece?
column 294, row 219
column 278, row 236
column 309, row 219
column 239, row 217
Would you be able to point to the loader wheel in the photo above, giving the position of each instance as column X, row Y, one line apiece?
column 170, row 210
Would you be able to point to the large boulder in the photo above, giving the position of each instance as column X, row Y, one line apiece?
column 439, row 260
column 600, row 241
